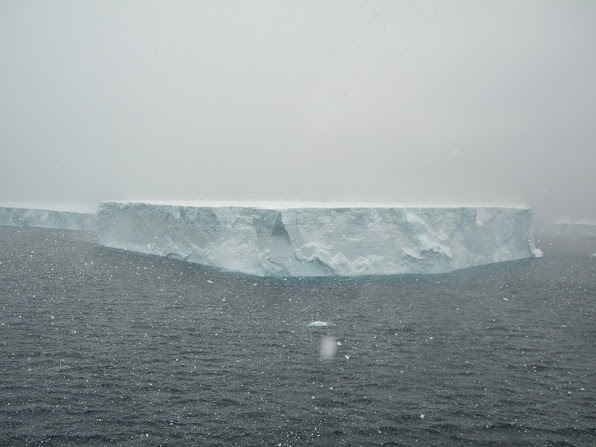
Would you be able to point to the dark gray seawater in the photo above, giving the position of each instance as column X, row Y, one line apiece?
column 104, row 347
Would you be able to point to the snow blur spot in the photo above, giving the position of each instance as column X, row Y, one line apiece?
column 328, row 347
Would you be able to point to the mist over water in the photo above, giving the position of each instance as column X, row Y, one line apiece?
column 356, row 101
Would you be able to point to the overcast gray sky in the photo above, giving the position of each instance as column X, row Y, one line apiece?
column 381, row 101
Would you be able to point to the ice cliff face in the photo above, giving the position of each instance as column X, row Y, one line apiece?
column 44, row 218
column 320, row 241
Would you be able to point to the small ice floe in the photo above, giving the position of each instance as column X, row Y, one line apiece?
column 328, row 347
column 317, row 324
column 537, row 253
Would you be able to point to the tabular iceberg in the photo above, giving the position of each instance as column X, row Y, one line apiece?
column 296, row 241
column 59, row 217
column 579, row 228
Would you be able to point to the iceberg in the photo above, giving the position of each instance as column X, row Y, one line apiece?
column 54, row 216
column 312, row 240
column 578, row 228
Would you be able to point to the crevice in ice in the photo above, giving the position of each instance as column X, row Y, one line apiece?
column 279, row 229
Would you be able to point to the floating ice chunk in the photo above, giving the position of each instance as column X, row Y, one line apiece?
column 537, row 253
column 328, row 347
column 318, row 324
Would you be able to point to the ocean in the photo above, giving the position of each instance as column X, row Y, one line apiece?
column 101, row 347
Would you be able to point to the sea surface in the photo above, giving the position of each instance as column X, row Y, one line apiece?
column 101, row 347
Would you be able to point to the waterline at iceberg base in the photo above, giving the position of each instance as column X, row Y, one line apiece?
column 287, row 240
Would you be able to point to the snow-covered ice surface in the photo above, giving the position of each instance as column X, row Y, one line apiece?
column 294, row 240
column 60, row 216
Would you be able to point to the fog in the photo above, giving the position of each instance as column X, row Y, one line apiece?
column 377, row 101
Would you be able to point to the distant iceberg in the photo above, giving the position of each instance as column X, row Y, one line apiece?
column 564, row 226
column 289, row 240
column 55, row 216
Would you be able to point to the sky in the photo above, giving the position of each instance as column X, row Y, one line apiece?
column 472, row 102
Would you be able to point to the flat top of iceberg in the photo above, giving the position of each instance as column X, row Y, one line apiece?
column 64, row 207
column 330, row 205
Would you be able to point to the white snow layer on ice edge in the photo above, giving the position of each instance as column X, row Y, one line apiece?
column 276, row 205
column 321, row 241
